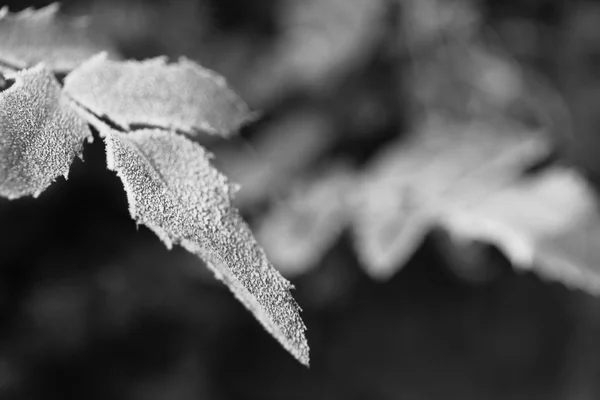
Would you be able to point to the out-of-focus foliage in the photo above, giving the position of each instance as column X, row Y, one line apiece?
column 32, row 36
column 578, row 66
column 281, row 152
column 40, row 135
column 468, row 179
column 317, row 49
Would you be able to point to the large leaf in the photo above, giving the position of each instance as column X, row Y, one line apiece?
column 413, row 186
column 181, row 96
column 39, row 133
column 173, row 189
column 33, row 36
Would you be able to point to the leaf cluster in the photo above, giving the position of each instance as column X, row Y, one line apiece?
column 146, row 113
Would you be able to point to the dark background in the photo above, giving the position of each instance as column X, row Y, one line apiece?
column 93, row 307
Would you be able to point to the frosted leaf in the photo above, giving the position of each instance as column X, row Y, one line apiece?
column 299, row 230
column 411, row 183
column 181, row 96
column 39, row 133
column 32, row 36
column 173, row 189
column 549, row 223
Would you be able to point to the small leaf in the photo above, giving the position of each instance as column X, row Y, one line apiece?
column 39, row 133
column 32, row 36
column 174, row 190
column 299, row 230
column 152, row 93
column 412, row 183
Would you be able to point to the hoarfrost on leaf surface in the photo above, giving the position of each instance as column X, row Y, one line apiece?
column 40, row 135
column 174, row 190
column 181, row 96
column 33, row 36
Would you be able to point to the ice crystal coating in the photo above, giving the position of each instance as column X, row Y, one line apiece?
column 40, row 135
column 298, row 231
column 173, row 189
column 181, row 96
column 548, row 223
column 411, row 184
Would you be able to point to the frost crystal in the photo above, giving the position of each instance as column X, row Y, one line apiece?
column 152, row 93
column 39, row 133
column 174, row 190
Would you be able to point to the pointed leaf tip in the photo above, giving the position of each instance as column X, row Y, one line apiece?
column 174, row 190
column 33, row 36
